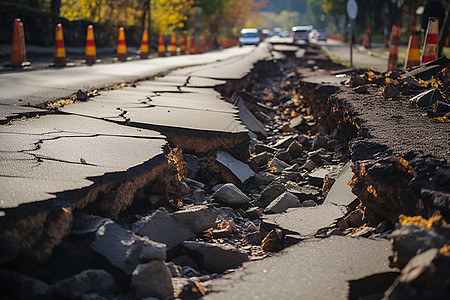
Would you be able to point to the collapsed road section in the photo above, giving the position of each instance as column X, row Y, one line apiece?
column 129, row 215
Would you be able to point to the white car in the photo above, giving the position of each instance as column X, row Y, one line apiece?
column 249, row 36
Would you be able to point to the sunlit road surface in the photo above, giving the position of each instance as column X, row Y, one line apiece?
column 363, row 59
column 35, row 87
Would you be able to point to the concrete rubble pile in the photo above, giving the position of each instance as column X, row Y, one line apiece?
column 292, row 191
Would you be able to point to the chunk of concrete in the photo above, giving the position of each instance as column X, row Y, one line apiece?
column 427, row 275
column 216, row 257
column 282, row 203
column 86, row 282
column 341, row 193
column 264, row 178
column 152, row 279
column 230, row 195
column 270, row 193
column 197, row 218
column 241, row 170
column 119, row 246
column 153, row 251
column 307, row 221
column 408, row 240
column 163, row 228
column 252, row 123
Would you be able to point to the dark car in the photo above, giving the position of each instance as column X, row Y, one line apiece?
column 301, row 33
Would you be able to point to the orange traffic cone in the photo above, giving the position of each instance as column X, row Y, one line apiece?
column 192, row 49
column 413, row 55
column 393, row 51
column 144, row 45
column 183, row 42
column 201, row 45
column 18, row 51
column 90, row 54
column 173, row 44
column 122, row 46
column 60, row 52
column 431, row 41
column 161, row 46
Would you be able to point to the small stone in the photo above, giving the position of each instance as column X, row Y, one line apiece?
column 153, row 251
column 282, row 203
column 284, row 156
column 261, row 159
column 197, row 218
column 354, row 219
column 319, row 157
column 254, row 213
column 175, row 270
column 191, row 165
column 357, row 80
column 230, row 195
column 273, row 241
column 264, row 178
column 361, row 89
column 216, row 257
column 293, row 168
column 309, row 203
column 390, row 92
column 194, row 183
column 285, row 142
column 295, row 149
column 297, row 122
column 319, row 141
column 81, row 96
column 277, row 166
column 309, row 166
column 254, row 238
column 86, row 282
column 152, row 280
column 250, row 227
column 270, row 193
column 163, row 228
column 342, row 224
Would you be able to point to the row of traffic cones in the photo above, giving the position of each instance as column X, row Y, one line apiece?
column 18, row 49
column 18, row 52
column 183, row 42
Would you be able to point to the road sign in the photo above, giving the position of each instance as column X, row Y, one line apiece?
column 352, row 9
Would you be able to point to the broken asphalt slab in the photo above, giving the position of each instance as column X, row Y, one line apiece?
column 312, row 269
column 307, row 221
column 54, row 164
column 340, row 192
column 54, row 84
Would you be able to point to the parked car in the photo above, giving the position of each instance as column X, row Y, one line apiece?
column 278, row 31
column 265, row 33
column 301, row 33
column 321, row 35
column 249, row 36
